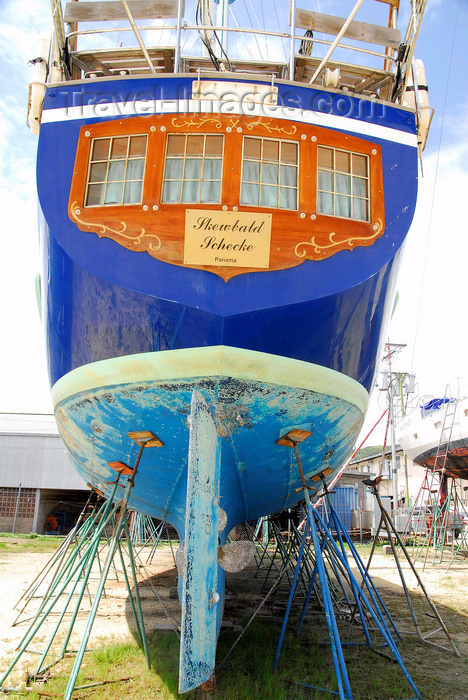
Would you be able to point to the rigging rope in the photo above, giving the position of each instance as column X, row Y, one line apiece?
column 233, row 15
column 203, row 13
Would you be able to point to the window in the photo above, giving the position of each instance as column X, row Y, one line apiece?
column 343, row 184
column 193, row 168
column 116, row 169
column 269, row 173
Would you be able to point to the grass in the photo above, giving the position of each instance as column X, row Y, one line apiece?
column 247, row 672
column 18, row 542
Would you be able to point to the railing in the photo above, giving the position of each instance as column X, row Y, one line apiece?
column 233, row 30
column 391, row 55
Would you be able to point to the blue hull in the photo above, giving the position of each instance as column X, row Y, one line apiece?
column 257, row 475
column 104, row 302
column 131, row 337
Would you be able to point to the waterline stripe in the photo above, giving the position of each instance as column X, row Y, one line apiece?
column 213, row 361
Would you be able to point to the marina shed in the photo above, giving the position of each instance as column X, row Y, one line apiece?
column 40, row 491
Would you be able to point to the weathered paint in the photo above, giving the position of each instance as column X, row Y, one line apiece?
column 256, row 474
column 200, row 597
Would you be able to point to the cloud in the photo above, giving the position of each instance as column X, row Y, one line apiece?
column 432, row 282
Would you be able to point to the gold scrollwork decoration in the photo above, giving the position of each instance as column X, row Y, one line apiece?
column 273, row 128
column 326, row 249
column 103, row 230
column 197, row 123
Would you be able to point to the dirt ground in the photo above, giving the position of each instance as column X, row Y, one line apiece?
column 114, row 621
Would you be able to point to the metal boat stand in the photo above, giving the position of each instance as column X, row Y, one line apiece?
column 442, row 532
column 394, row 537
column 267, row 560
column 73, row 578
column 144, row 533
column 283, row 562
column 56, row 564
column 72, row 548
column 367, row 601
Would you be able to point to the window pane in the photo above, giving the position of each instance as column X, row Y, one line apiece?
column 97, row 172
column 359, row 165
column 270, row 150
column 95, row 195
column 360, row 209
column 175, row 145
column 101, row 149
column 211, row 191
column 359, row 187
column 267, row 170
column 343, row 183
column 251, row 171
column 137, row 146
column 135, row 169
column 196, row 160
column 116, row 170
column 171, row 191
column 325, row 180
column 132, row 194
column 212, row 169
column 252, row 148
column 288, row 175
column 190, row 191
column 214, row 146
column 343, row 206
column 114, row 193
column 288, row 152
column 174, row 169
column 119, row 147
column 269, row 196
column 325, row 203
column 193, row 168
column 340, row 183
column 111, row 166
column 250, row 194
column 195, row 145
column 342, row 161
column 270, row 173
column 288, row 198
column 325, row 157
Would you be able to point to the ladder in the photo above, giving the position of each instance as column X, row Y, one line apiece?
column 437, row 531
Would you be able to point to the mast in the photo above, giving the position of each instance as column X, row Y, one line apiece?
column 222, row 19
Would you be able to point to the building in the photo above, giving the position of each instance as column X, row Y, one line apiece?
column 40, row 491
column 409, row 476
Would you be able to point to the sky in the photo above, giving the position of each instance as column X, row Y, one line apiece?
column 430, row 316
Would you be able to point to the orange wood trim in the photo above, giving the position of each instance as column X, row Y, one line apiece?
column 159, row 228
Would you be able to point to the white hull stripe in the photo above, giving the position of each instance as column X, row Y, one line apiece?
column 132, row 108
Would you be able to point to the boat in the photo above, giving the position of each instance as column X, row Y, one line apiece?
column 222, row 212
column 434, row 435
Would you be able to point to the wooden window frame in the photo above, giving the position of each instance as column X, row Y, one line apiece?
column 279, row 163
column 352, row 176
column 106, row 182
column 183, row 179
column 158, row 227
column 351, row 144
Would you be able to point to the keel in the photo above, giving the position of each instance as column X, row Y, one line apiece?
column 200, row 598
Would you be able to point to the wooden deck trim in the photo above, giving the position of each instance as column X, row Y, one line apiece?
column 114, row 10
column 361, row 31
